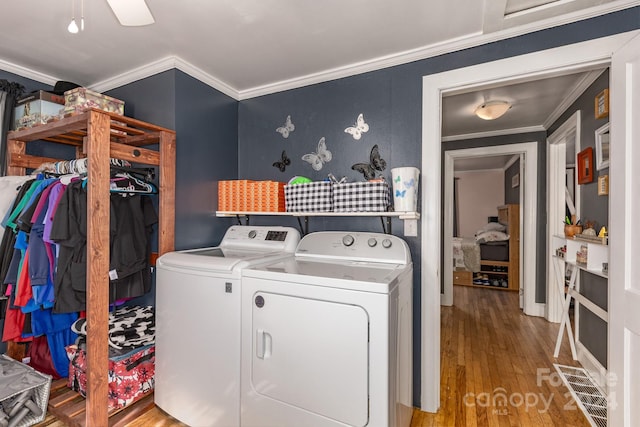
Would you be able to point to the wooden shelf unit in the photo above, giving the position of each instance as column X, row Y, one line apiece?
column 508, row 215
column 100, row 135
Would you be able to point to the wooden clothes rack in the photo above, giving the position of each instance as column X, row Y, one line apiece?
column 100, row 135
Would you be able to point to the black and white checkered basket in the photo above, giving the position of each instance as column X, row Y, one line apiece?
column 361, row 197
column 309, row 197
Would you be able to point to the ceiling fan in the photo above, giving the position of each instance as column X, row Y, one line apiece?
column 131, row 13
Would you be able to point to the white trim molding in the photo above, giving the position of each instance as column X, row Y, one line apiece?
column 566, row 59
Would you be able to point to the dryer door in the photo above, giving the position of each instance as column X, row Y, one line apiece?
column 312, row 354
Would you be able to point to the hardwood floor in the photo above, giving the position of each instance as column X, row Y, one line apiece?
column 497, row 366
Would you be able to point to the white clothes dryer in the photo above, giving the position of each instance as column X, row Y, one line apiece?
column 197, row 376
column 326, row 334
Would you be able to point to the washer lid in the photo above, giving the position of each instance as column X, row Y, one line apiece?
column 355, row 275
column 216, row 259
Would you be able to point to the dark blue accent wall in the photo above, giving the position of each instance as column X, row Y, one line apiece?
column 224, row 139
column 391, row 100
column 205, row 122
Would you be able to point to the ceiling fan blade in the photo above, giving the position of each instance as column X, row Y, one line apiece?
column 131, row 13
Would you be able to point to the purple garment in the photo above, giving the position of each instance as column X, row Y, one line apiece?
column 57, row 190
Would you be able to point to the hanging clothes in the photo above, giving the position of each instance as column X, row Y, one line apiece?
column 131, row 222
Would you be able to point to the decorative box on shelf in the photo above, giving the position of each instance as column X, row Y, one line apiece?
column 370, row 196
column 309, row 197
column 82, row 99
column 37, row 108
column 253, row 196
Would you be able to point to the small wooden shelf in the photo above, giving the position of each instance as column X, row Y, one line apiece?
column 383, row 215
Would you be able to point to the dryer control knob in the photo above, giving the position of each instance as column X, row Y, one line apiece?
column 252, row 234
column 348, row 240
column 372, row 242
column 386, row 243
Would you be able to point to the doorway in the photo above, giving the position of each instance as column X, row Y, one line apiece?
column 580, row 56
column 528, row 198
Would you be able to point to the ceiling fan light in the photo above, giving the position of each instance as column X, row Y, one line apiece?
column 73, row 27
column 491, row 110
column 131, row 13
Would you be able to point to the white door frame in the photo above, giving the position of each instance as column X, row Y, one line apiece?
column 527, row 222
column 566, row 59
column 556, row 202
column 624, row 208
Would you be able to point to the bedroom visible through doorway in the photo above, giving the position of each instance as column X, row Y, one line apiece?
column 486, row 223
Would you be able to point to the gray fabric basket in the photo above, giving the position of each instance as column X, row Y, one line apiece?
column 18, row 381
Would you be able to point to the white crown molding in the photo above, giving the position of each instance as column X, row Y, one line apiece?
column 492, row 133
column 159, row 66
column 387, row 61
column 462, row 172
column 578, row 89
column 28, row 73
column 449, row 46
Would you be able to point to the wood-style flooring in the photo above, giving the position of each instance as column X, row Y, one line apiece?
column 496, row 367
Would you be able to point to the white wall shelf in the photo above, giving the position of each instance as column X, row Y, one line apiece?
column 383, row 215
column 597, row 254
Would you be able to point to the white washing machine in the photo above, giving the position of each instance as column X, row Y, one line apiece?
column 326, row 334
column 197, row 376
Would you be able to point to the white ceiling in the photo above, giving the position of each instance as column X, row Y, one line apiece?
column 247, row 48
column 250, row 47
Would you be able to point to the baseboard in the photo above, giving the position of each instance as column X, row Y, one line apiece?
column 537, row 310
column 593, row 366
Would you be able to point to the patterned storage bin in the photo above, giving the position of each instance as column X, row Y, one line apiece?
column 131, row 376
column 309, row 197
column 266, row 196
column 24, row 393
column 233, row 195
column 82, row 99
column 361, row 197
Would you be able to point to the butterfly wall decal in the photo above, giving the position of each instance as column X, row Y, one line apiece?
column 319, row 158
column 359, row 128
column 283, row 163
column 286, row 128
column 376, row 163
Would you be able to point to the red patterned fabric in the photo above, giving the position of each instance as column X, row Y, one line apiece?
column 130, row 378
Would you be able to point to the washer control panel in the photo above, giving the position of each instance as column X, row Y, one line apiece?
column 258, row 237
column 356, row 246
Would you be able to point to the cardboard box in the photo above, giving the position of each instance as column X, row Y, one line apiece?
column 309, row 197
column 131, row 376
column 82, row 99
column 361, row 197
column 37, row 108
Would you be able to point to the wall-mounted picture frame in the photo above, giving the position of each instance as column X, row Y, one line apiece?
column 602, row 104
column 515, row 180
column 602, row 147
column 603, row 185
column 584, row 164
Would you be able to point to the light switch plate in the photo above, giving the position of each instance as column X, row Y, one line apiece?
column 411, row 227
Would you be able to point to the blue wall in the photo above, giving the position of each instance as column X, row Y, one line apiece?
column 205, row 122
column 219, row 138
column 391, row 100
